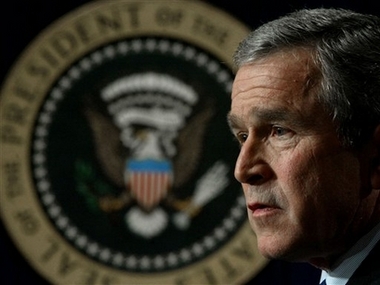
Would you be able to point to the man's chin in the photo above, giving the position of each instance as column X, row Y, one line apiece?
column 280, row 251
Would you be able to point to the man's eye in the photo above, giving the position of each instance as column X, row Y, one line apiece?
column 241, row 137
column 281, row 132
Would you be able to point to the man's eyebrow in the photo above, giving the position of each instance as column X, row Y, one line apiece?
column 233, row 121
column 269, row 115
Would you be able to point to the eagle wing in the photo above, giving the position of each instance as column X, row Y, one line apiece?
column 109, row 149
column 190, row 142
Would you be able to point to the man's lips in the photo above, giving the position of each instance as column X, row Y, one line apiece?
column 261, row 208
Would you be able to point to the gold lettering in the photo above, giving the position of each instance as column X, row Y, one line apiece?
column 90, row 277
column 51, row 251
column 93, row 277
column 24, row 93
column 108, row 280
column 106, row 22
column 66, row 264
column 181, row 280
column 37, row 69
column 169, row 17
column 210, row 276
column 84, row 32
column 9, row 135
column 64, row 43
column 16, row 114
column 133, row 12
column 49, row 58
column 12, row 179
column 28, row 222
column 211, row 31
column 230, row 271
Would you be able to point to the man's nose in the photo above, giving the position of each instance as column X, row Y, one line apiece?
column 251, row 166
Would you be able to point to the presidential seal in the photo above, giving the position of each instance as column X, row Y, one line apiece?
column 114, row 160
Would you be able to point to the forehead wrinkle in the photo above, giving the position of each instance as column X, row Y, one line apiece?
column 266, row 82
column 270, row 116
column 271, row 74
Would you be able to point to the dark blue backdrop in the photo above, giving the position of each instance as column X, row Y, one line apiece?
column 22, row 20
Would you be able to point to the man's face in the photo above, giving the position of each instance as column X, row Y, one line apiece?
column 302, row 187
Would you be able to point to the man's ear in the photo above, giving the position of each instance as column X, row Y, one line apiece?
column 375, row 174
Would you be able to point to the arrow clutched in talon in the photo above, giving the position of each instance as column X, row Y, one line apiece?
column 207, row 188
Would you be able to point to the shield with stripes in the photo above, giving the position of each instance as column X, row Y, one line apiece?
column 148, row 181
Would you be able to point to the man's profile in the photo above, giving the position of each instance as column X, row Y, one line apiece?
column 305, row 109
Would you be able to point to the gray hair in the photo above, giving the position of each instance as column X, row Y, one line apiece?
column 345, row 46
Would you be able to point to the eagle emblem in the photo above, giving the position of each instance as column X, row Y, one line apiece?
column 146, row 146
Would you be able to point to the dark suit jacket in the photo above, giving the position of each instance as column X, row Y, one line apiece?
column 368, row 272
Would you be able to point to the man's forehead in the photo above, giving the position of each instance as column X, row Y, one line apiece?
column 276, row 68
column 250, row 77
column 277, row 65
column 280, row 72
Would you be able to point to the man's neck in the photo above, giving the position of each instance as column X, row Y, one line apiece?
column 333, row 261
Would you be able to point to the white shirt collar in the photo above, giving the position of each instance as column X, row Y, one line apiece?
column 352, row 259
